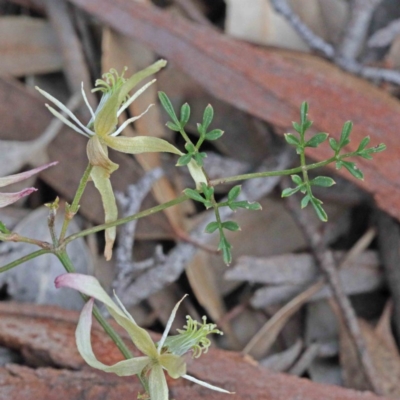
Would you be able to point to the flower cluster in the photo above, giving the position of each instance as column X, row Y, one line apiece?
column 103, row 133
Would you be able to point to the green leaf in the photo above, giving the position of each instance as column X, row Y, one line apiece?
column 184, row 160
column 296, row 179
column 303, row 112
column 166, row 103
column 296, row 126
column 291, row 139
column 214, row 134
column 194, row 195
column 3, row 228
column 334, row 144
column 289, row 191
column 231, row 226
column 185, row 114
column 307, row 125
column 351, row 167
column 305, row 200
column 212, row 227
column 173, row 126
column 324, row 181
column 253, row 206
column 201, row 129
column 366, row 155
column 234, row 192
column 318, row 209
column 344, row 137
column 376, row 149
column 208, row 116
column 199, row 158
column 207, row 190
column 363, row 144
column 226, row 247
column 316, row 140
column 190, row 148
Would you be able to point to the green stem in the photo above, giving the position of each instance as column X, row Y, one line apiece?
column 66, row 262
column 121, row 221
column 283, row 172
column 73, row 209
column 185, row 136
column 24, row 259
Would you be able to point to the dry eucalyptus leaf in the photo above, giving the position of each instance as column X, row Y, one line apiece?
column 291, row 269
column 33, row 281
column 27, row 46
column 257, row 21
column 281, row 362
column 385, row 361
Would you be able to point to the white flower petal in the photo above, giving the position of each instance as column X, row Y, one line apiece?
column 129, row 121
column 123, row 308
column 205, row 384
column 169, row 323
column 134, row 97
column 90, row 286
column 62, row 107
column 66, row 121
column 87, row 102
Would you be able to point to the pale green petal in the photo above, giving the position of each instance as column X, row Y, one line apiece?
column 129, row 367
column 158, row 388
column 91, row 287
column 175, row 365
column 101, row 179
column 205, row 384
column 98, row 155
column 106, row 119
column 197, row 173
column 169, row 324
column 138, row 77
column 140, row 144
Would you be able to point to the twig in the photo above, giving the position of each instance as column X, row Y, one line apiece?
column 357, row 28
column 318, row 44
column 275, row 324
column 325, row 260
column 389, row 239
column 313, row 40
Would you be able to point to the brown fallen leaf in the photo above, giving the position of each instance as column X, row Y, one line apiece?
column 385, row 361
column 271, row 85
column 27, row 46
column 48, row 333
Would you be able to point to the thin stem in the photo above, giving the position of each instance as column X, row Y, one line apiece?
column 14, row 237
column 121, row 221
column 72, row 210
column 21, row 260
column 185, row 136
column 283, row 172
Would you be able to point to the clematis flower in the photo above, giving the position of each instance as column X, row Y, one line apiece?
column 103, row 133
column 9, row 198
column 157, row 357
